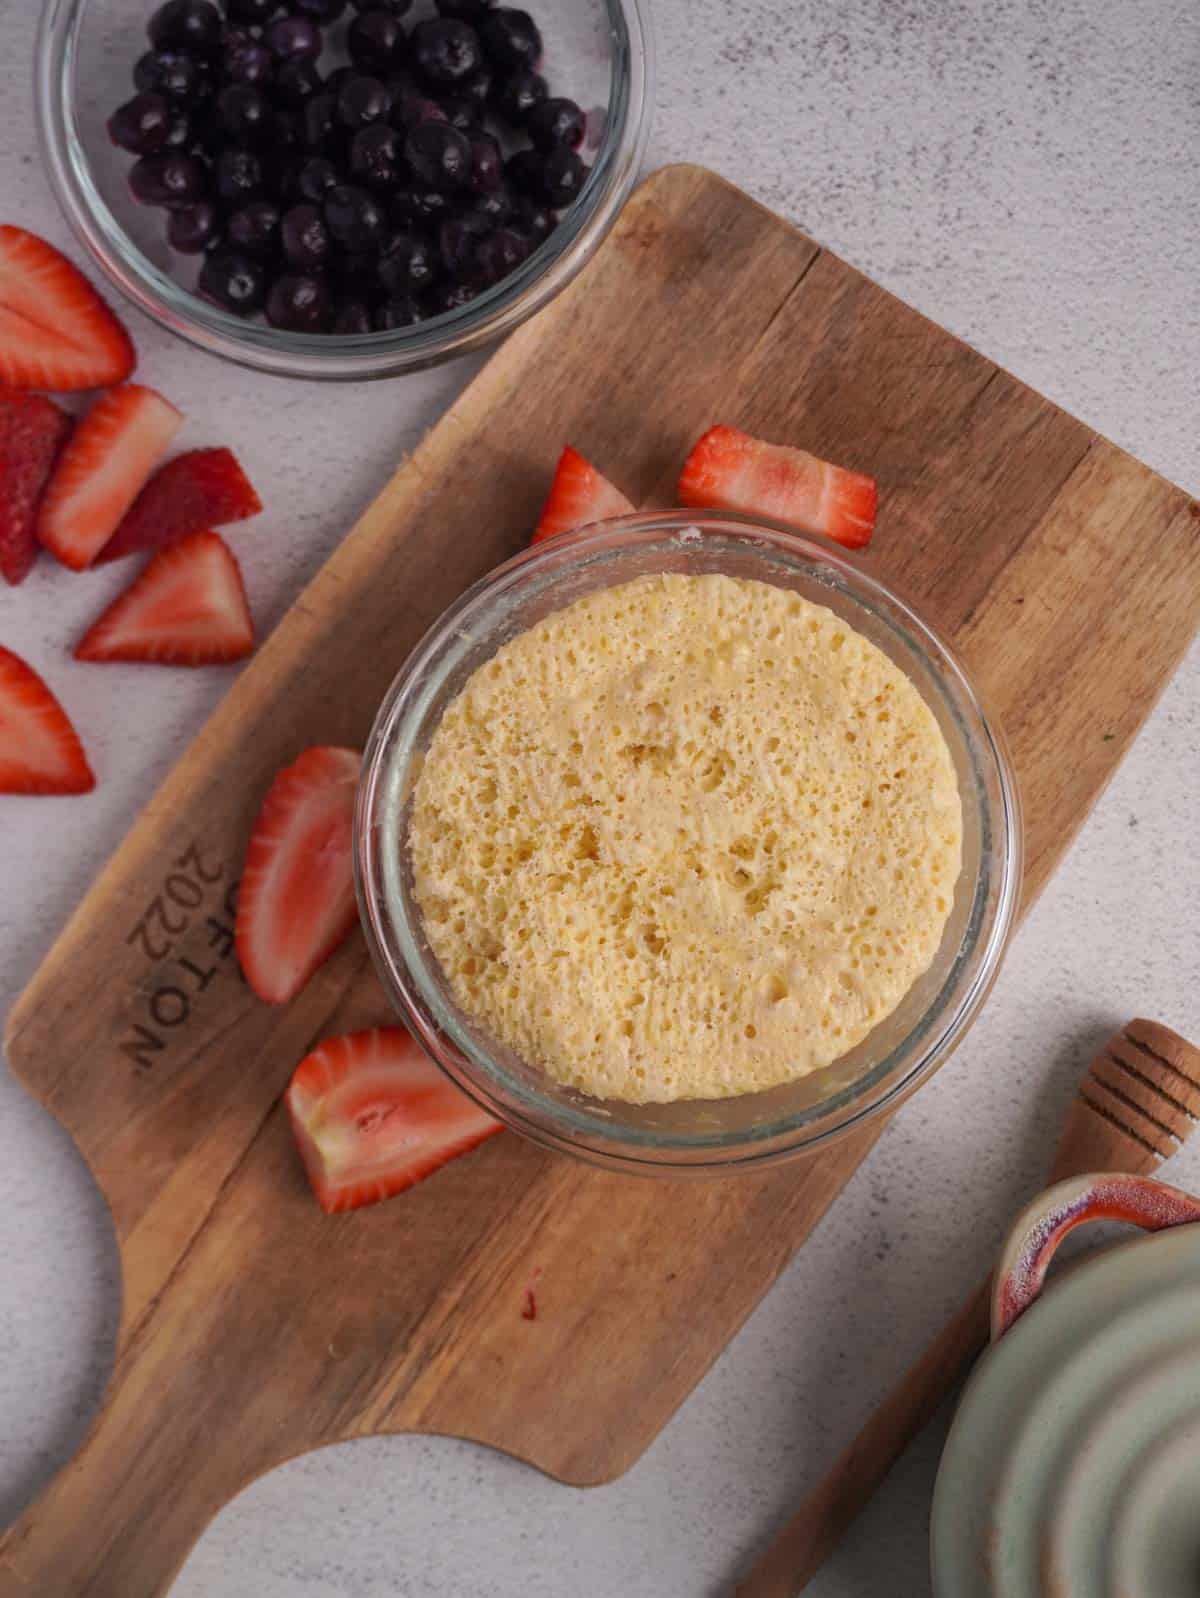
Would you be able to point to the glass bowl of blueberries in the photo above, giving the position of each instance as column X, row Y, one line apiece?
column 342, row 188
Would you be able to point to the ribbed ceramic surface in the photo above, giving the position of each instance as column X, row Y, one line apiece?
column 1071, row 1470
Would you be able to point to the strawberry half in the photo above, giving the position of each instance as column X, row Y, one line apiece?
column 40, row 751
column 202, row 488
column 579, row 495
column 188, row 608
column 55, row 330
column 296, row 901
column 32, row 433
column 372, row 1115
column 101, row 472
column 729, row 470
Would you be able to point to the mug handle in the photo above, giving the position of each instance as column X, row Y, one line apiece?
column 1039, row 1229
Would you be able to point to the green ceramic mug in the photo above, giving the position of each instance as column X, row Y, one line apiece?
column 1072, row 1469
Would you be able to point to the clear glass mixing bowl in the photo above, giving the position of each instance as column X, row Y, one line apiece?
column 725, row 1134
column 598, row 52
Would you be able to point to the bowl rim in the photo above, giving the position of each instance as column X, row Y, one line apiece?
column 493, row 314
column 936, row 1031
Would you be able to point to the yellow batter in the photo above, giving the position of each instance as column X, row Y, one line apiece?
column 686, row 838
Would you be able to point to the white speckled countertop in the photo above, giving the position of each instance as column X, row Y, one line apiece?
column 1024, row 172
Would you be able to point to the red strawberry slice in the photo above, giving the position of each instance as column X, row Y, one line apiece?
column 729, row 470
column 579, row 495
column 55, row 330
column 188, row 608
column 202, row 488
column 101, row 472
column 372, row 1115
column 32, row 432
column 40, row 751
column 296, row 902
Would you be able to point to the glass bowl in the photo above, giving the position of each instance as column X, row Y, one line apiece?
column 598, row 52
column 755, row 1129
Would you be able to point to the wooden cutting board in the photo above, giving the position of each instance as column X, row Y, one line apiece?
column 254, row 1327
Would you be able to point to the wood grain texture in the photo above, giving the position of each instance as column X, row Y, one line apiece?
column 1093, row 1139
column 253, row 1327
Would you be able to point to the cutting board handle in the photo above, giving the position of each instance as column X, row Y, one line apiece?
column 131, row 1525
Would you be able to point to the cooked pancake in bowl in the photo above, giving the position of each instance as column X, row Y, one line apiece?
column 687, row 838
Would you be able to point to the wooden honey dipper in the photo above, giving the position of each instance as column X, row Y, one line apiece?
column 1139, row 1100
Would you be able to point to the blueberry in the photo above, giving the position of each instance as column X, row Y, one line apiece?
column 180, row 77
column 176, row 181
column 195, row 229
column 401, row 311
column 280, row 172
column 298, row 303
column 446, row 52
column 534, row 218
column 356, row 278
column 254, row 228
column 338, row 76
column 477, row 89
column 517, row 95
column 306, row 242
column 563, row 176
column 245, row 113
column 314, row 179
column 375, row 41
column 246, row 59
column 452, row 297
column 375, row 158
column 141, row 125
column 319, row 10
column 287, row 132
column 496, row 206
column 511, row 39
column 407, row 264
column 498, row 254
column 297, row 80
column 239, row 176
column 556, row 122
column 467, row 10
column 525, row 171
column 355, row 217
column 252, row 12
column 398, row 83
column 418, row 207
column 180, row 135
column 457, row 239
column 412, row 109
column 439, row 155
column 463, row 114
column 352, row 318
column 186, row 25
column 235, row 282
column 293, row 37
column 361, row 101
column 396, row 7
column 487, row 165
column 319, row 119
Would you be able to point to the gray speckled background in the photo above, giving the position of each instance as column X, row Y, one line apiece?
column 1025, row 172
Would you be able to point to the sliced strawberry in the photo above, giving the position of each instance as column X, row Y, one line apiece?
column 579, row 495
column 202, row 488
column 101, row 472
column 40, row 751
column 372, row 1115
column 188, row 608
column 729, row 470
column 296, row 901
column 32, row 432
column 55, row 330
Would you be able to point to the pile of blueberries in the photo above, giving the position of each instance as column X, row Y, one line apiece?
column 359, row 199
